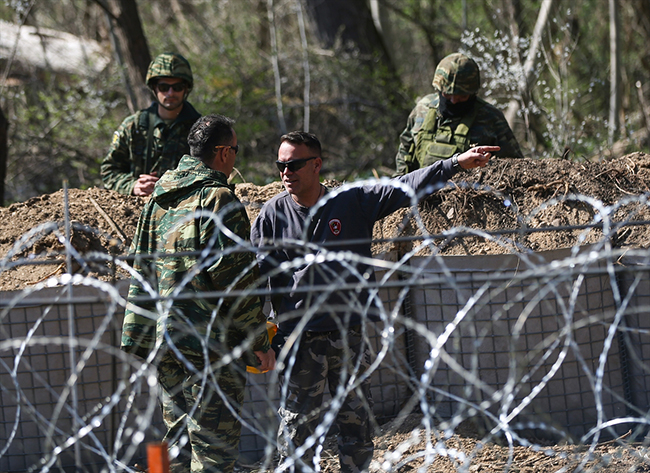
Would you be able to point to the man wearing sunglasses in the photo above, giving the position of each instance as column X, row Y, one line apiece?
column 153, row 140
column 185, row 247
column 452, row 118
column 309, row 245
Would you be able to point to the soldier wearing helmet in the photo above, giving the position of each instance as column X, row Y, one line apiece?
column 453, row 119
column 153, row 140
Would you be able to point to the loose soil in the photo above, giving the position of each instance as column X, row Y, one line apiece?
column 507, row 195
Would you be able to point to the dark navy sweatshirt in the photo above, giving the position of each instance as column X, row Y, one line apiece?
column 311, row 255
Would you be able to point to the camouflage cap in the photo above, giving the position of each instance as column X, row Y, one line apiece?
column 170, row 65
column 457, row 74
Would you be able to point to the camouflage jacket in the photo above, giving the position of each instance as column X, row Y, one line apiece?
column 189, row 208
column 132, row 152
column 489, row 127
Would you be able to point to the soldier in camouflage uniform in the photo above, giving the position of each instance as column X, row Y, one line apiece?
column 151, row 141
column 320, row 338
column 453, row 119
column 189, row 212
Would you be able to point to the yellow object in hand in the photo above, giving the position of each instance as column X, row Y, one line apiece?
column 271, row 330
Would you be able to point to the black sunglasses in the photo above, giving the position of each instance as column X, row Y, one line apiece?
column 164, row 86
column 294, row 165
column 234, row 148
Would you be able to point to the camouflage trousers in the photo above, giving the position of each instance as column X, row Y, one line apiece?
column 325, row 358
column 196, row 414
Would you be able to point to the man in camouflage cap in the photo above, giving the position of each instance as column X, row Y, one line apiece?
column 453, row 119
column 193, row 224
column 151, row 141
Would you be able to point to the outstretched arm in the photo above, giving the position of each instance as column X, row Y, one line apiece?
column 476, row 157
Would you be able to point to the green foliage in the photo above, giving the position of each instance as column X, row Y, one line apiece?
column 59, row 130
column 354, row 105
column 567, row 109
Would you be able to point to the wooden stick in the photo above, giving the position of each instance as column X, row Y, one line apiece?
column 110, row 221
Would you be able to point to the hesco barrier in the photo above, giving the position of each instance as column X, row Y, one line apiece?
column 555, row 343
column 42, row 409
column 526, row 344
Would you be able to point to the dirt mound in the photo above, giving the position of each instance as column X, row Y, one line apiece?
column 509, row 194
column 34, row 230
column 525, row 194
column 495, row 457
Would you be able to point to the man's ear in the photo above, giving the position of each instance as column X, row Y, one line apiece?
column 217, row 160
column 220, row 155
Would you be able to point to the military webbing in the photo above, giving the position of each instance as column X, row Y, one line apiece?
column 434, row 142
column 139, row 143
column 147, row 159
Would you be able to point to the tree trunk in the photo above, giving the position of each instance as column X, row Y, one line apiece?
column 305, row 67
column 384, row 27
column 131, row 46
column 614, row 70
column 529, row 65
column 276, row 67
column 513, row 14
column 641, row 26
column 426, row 20
column 351, row 23
column 4, row 125
column 264, row 34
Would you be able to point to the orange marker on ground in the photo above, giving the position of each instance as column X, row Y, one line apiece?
column 157, row 458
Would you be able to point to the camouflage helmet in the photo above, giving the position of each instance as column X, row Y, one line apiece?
column 457, row 74
column 169, row 65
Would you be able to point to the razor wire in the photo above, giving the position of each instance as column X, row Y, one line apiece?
column 533, row 351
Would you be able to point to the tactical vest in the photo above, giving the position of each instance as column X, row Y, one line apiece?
column 142, row 143
column 435, row 142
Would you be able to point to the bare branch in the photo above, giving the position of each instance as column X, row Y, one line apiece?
column 305, row 64
column 276, row 65
column 529, row 64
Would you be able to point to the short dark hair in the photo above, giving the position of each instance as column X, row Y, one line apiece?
column 303, row 138
column 207, row 132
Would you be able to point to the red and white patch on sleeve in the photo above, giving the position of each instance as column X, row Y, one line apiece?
column 335, row 226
